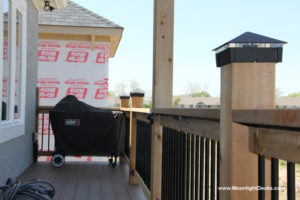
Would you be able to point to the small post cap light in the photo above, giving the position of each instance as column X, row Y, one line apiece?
column 124, row 96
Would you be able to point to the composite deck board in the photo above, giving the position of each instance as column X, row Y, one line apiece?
column 86, row 180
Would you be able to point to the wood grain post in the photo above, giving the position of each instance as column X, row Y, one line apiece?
column 137, row 98
column 243, row 86
column 132, row 150
column 162, row 83
column 247, row 82
column 124, row 101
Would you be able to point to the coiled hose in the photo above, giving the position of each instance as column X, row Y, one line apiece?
column 32, row 190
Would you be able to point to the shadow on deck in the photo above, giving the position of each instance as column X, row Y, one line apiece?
column 79, row 180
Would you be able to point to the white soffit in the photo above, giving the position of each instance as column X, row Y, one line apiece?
column 57, row 4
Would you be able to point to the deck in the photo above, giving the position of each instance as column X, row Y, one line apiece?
column 81, row 180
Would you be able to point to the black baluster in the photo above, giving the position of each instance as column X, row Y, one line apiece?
column 197, row 168
column 261, row 176
column 192, row 166
column 48, row 133
column 188, row 167
column 207, row 168
column 291, row 181
column 201, row 168
column 218, row 170
column 213, row 168
column 183, row 150
column 274, row 178
column 163, row 189
column 42, row 132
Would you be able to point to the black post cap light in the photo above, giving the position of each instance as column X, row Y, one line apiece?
column 124, row 96
column 249, row 47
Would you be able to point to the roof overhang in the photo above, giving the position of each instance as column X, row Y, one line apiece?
column 57, row 4
column 80, row 33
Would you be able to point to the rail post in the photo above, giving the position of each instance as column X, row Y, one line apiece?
column 124, row 101
column 162, row 89
column 247, row 82
column 137, row 102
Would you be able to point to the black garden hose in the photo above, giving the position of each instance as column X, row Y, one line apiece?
column 31, row 190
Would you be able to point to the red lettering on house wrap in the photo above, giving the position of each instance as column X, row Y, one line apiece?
column 102, row 58
column 5, row 87
column 77, row 56
column 78, row 45
column 77, row 82
column 5, row 50
column 103, row 55
column 101, row 94
column 102, row 83
column 48, row 55
column 79, row 92
column 48, row 44
column 48, row 92
column 102, row 89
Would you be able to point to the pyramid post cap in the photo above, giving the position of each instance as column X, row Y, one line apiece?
column 124, row 96
column 137, row 93
column 249, row 39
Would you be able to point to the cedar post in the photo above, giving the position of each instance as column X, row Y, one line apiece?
column 137, row 102
column 137, row 98
column 247, row 82
column 132, row 150
column 162, row 83
column 124, row 101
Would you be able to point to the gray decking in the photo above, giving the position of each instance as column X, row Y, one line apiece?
column 79, row 180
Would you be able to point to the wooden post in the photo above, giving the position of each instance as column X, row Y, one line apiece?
column 137, row 98
column 124, row 101
column 162, row 83
column 132, row 151
column 247, row 82
column 243, row 86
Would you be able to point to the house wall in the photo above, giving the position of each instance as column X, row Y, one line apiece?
column 73, row 67
column 16, row 154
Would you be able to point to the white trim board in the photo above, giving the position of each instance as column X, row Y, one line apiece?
column 12, row 128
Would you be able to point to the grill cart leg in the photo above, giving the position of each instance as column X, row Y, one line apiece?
column 110, row 159
column 115, row 162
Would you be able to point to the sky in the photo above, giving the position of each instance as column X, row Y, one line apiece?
column 199, row 27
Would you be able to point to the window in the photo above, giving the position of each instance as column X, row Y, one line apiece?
column 13, row 32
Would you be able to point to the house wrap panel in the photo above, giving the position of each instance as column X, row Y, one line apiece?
column 71, row 67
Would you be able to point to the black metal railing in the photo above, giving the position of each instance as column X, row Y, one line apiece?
column 190, row 166
column 143, row 151
column 173, row 164
column 291, row 186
